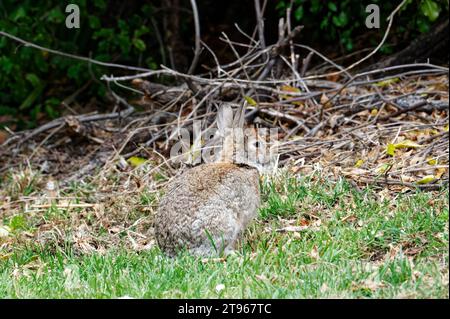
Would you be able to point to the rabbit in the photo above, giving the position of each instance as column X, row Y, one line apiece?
column 205, row 209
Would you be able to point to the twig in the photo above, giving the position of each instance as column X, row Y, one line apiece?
column 81, row 118
column 72, row 56
column 260, row 24
column 401, row 111
column 197, row 38
column 305, row 63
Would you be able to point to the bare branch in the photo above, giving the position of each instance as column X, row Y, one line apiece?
column 197, row 38
column 72, row 56
column 260, row 23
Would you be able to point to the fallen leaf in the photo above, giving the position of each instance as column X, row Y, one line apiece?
column 261, row 277
column 333, row 77
column 390, row 149
column 250, row 100
column 387, row 82
column 354, row 171
column 349, row 218
column 292, row 229
column 136, row 161
column 3, row 137
column 359, row 163
column 431, row 161
column 4, row 231
column 383, row 168
column 407, row 144
column 324, row 101
column 289, row 88
column 427, row 179
column 440, row 171
column 314, row 253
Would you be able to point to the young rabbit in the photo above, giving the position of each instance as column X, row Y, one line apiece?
column 205, row 209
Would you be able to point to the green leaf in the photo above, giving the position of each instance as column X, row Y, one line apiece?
column 56, row 16
column 315, row 6
column 298, row 14
column 430, row 9
column 147, row 10
column 3, row 42
column 348, row 44
column 32, row 97
column 94, row 22
column 332, row 6
column 100, row 4
column 405, row 5
column 33, row 79
column 6, row 64
column 141, row 31
column 123, row 26
column 20, row 13
column 324, row 24
column 139, row 44
column 281, row 6
column 423, row 24
column 341, row 20
column 74, row 71
column 51, row 106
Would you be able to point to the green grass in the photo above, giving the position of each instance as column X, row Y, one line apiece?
column 365, row 246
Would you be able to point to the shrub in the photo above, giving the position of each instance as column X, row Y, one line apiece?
column 33, row 83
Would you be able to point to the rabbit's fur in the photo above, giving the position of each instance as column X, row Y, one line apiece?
column 205, row 209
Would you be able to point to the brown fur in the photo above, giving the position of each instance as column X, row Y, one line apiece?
column 218, row 199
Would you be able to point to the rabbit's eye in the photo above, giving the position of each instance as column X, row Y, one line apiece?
column 258, row 144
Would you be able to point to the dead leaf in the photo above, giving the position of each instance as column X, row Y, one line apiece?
column 440, row 171
column 432, row 161
column 136, row 161
column 387, row 82
column 250, row 100
column 407, row 144
column 3, row 136
column 426, row 179
column 390, row 149
column 359, row 163
column 4, row 231
column 292, row 229
column 314, row 253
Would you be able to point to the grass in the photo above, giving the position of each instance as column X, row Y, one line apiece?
column 351, row 244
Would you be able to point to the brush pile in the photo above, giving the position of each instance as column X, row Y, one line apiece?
column 382, row 127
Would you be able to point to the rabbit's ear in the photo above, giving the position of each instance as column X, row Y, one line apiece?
column 225, row 126
column 224, row 118
column 239, row 117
